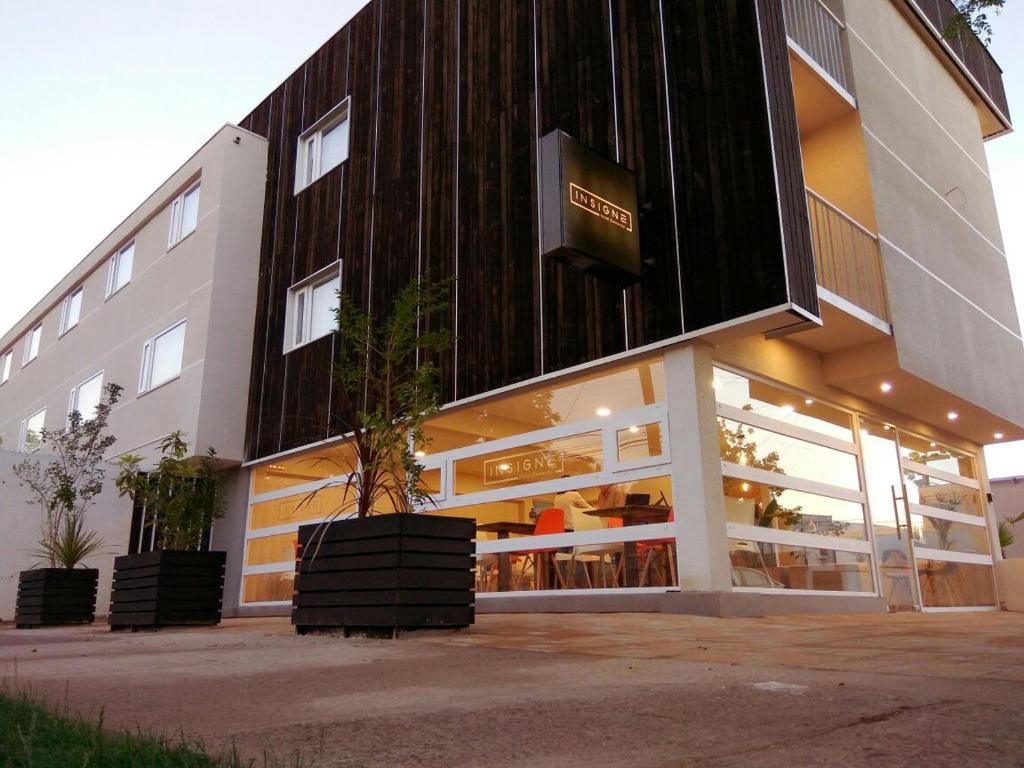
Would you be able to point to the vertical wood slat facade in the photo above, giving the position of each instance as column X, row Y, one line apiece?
column 448, row 100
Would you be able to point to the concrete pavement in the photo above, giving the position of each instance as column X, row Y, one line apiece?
column 563, row 690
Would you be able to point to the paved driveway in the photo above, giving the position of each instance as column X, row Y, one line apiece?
column 564, row 690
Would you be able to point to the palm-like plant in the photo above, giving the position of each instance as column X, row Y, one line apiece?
column 65, row 488
column 1007, row 536
column 386, row 388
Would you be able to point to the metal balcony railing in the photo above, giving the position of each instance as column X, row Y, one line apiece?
column 818, row 32
column 967, row 49
column 846, row 257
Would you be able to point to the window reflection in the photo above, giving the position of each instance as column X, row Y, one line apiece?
column 931, row 492
column 784, row 566
column 750, row 503
column 268, row 587
column 946, row 584
column 770, row 451
column 639, row 442
column 938, row 533
column 936, row 456
column 318, row 465
column 580, row 399
column 767, row 400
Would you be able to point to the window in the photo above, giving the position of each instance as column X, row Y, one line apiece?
column 161, row 357
column 184, row 215
column 70, row 311
column 31, row 432
column 311, row 306
column 5, row 366
column 322, row 147
column 32, row 340
column 119, row 273
column 85, row 398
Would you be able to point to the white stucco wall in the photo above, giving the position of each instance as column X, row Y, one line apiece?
column 20, row 523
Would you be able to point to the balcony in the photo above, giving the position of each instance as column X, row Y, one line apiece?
column 816, row 35
column 847, row 258
column 970, row 55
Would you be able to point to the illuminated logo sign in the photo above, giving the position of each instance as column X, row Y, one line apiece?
column 603, row 209
column 588, row 210
column 524, row 467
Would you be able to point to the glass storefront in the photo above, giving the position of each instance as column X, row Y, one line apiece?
column 570, row 485
column 583, row 463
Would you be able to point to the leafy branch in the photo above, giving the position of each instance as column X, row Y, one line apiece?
column 65, row 488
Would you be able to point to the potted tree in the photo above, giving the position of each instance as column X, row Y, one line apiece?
column 64, row 591
column 179, row 583
column 373, row 566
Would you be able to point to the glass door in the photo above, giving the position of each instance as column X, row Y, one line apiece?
column 890, row 519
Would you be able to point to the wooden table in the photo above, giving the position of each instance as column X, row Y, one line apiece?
column 636, row 514
column 504, row 529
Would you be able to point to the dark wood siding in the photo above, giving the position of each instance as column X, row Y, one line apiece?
column 448, row 100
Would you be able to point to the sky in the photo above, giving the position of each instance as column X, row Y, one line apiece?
column 103, row 101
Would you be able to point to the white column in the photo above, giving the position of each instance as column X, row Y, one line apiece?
column 701, row 541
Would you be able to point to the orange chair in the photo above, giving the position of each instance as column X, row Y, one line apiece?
column 549, row 521
column 650, row 549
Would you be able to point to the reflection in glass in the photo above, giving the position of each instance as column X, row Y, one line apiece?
column 936, row 456
column 767, row 400
column 548, row 460
column 639, row 442
column 946, row 584
column 938, row 533
column 580, row 399
column 336, row 460
column 922, row 489
column 885, row 496
column 268, row 587
column 784, row 566
column 271, row 549
column 760, row 449
column 750, row 503
column 299, row 508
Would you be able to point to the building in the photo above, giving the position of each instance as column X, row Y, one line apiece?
column 163, row 306
column 818, row 239
column 759, row 382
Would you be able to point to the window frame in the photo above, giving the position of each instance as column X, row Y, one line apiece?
column 146, row 383
column 176, row 232
column 6, row 365
column 65, row 308
column 23, row 432
column 302, row 293
column 309, row 148
column 76, row 390
column 29, row 355
column 113, row 267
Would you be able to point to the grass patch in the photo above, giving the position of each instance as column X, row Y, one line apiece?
column 33, row 735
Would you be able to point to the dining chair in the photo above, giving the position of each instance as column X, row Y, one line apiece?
column 588, row 554
column 655, row 550
column 549, row 521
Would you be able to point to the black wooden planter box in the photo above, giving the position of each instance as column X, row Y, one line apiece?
column 385, row 573
column 167, row 588
column 52, row 596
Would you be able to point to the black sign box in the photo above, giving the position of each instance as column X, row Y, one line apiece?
column 589, row 210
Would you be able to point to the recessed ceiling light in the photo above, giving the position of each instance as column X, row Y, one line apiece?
column 885, row 386
column 952, row 415
column 634, row 429
column 788, row 409
column 932, row 445
column 745, row 487
column 998, row 435
column 603, row 411
column 420, row 454
column 887, row 428
column 808, row 401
